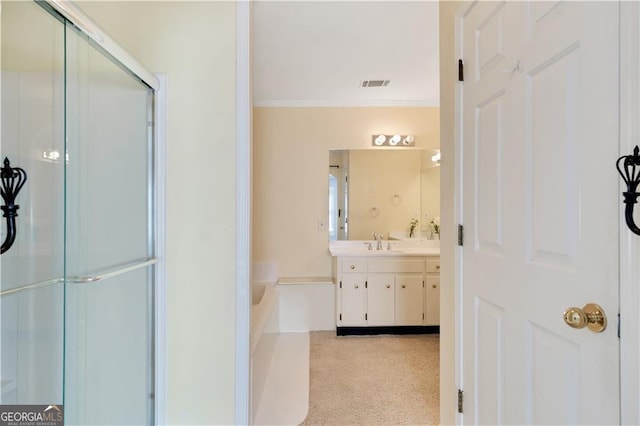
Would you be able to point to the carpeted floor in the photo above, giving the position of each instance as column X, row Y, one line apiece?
column 373, row 380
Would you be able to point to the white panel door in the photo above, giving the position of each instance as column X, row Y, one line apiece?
column 540, row 210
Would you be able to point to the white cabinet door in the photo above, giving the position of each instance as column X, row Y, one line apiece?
column 409, row 300
column 380, row 299
column 432, row 300
column 353, row 300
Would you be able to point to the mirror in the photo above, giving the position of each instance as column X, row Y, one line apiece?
column 382, row 191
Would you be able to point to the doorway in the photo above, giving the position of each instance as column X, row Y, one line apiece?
column 289, row 185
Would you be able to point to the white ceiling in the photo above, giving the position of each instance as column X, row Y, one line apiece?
column 316, row 53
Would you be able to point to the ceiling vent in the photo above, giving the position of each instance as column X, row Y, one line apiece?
column 374, row 83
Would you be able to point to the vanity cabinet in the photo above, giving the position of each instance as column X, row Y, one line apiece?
column 385, row 292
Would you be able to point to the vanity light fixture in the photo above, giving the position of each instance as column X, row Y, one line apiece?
column 393, row 140
column 51, row 155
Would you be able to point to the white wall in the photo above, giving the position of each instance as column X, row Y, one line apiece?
column 194, row 44
column 290, row 181
column 448, row 74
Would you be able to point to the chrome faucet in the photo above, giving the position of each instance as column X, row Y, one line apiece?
column 378, row 238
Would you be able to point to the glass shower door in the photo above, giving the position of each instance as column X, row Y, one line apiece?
column 76, row 288
column 109, row 245
column 31, row 271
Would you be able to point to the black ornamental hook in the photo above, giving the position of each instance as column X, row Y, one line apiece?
column 12, row 180
column 630, row 172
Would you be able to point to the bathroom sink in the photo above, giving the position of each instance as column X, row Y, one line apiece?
column 399, row 250
column 422, row 250
column 384, row 252
column 364, row 252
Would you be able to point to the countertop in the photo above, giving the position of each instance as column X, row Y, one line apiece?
column 398, row 248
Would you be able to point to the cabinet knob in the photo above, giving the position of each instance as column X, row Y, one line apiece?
column 353, row 266
column 356, row 286
column 437, row 266
column 434, row 286
column 404, row 286
column 388, row 285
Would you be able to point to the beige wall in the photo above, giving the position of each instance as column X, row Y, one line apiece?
column 375, row 178
column 290, row 174
column 448, row 77
column 193, row 43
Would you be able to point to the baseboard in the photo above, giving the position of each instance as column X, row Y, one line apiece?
column 404, row 329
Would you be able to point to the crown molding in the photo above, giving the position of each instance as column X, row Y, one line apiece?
column 345, row 103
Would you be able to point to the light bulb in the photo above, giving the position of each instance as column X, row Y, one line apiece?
column 408, row 140
column 395, row 139
column 380, row 140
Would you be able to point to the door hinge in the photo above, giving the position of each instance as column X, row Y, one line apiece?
column 340, row 284
column 460, row 70
column 618, row 326
column 460, row 400
column 460, row 235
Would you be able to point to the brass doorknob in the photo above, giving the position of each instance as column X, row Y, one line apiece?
column 591, row 316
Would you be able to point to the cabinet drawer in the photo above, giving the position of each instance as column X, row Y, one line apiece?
column 397, row 265
column 433, row 265
column 354, row 265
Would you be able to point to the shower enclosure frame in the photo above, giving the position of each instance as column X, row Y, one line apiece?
column 156, row 152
